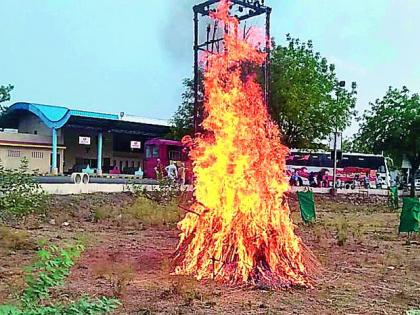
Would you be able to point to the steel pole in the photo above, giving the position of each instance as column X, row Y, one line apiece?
column 196, row 79
column 267, row 60
column 335, row 162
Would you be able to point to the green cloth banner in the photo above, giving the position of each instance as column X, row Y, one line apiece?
column 307, row 205
column 410, row 215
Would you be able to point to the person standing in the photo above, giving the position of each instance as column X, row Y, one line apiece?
column 172, row 171
column 181, row 174
column 159, row 169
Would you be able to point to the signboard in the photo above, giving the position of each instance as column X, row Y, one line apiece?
column 84, row 140
column 337, row 136
column 135, row 144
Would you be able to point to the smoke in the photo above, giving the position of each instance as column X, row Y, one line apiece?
column 178, row 31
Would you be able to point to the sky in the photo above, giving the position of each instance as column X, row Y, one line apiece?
column 131, row 55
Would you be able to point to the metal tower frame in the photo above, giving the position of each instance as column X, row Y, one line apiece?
column 246, row 9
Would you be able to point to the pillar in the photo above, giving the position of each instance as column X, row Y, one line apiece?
column 54, row 169
column 99, row 169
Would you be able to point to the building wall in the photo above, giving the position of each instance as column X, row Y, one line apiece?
column 77, row 151
column 38, row 158
column 31, row 124
column 36, row 148
column 124, row 158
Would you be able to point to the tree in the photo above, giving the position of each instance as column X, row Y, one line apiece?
column 4, row 95
column 347, row 145
column 306, row 98
column 392, row 125
column 182, row 122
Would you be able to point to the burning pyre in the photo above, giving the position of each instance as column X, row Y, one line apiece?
column 238, row 230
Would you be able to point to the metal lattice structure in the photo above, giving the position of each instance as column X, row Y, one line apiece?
column 243, row 10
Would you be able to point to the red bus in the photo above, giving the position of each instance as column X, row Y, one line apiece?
column 353, row 170
column 166, row 151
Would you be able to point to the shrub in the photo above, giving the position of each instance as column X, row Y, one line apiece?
column 150, row 213
column 342, row 231
column 51, row 269
column 20, row 194
column 118, row 274
column 166, row 192
column 11, row 239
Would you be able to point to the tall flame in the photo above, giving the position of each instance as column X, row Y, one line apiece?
column 238, row 230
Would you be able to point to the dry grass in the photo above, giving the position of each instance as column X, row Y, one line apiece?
column 13, row 239
column 373, row 272
column 117, row 274
column 150, row 213
column 141, row 213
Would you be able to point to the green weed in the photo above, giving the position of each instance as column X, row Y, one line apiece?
column 50, row 270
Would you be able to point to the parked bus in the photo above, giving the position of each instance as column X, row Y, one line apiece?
column 353, row 170
column 166, row 151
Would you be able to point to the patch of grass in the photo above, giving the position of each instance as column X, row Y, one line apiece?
column 118, row 274
column 401, row 297
column 13, row 239
column 150, row 213
column 342, row 230
column 184, row 287
column 101, row 214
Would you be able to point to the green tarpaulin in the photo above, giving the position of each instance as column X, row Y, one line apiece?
column 393, row 197
column 307, row 205
column 410, row 215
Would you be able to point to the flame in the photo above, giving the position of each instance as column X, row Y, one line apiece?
column 238, row 230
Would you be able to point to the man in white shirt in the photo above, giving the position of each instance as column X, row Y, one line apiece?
column 172, row 171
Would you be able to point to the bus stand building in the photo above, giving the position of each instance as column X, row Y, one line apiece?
column 59, row 140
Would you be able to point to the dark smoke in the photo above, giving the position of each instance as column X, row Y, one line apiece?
column 178, row 30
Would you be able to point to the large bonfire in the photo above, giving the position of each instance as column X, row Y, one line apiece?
column 238, row 229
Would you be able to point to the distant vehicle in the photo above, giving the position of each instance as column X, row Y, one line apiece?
column 416, row 181
column 353, row 170
column 166, row 151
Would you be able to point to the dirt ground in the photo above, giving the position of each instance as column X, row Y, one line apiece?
column 373, row 271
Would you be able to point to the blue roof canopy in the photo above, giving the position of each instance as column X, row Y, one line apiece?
column 57, row 116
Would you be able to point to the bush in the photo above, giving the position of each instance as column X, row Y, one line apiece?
column 342, row 226
column 51, row 269
column 119, row 275
column 11, row 239
column 151, row 213
column 20, row 194
column 166, row 192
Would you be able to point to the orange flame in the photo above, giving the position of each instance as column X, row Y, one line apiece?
column 239, row 230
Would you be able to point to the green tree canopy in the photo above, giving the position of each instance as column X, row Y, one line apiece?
column 392, row 125
column 182, row 122
column 4, row 97
column 306, row 98
column 5, row 94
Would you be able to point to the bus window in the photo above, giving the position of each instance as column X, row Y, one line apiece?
column 152, row 151
column 148, row 152
column 174, row 155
